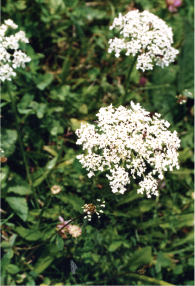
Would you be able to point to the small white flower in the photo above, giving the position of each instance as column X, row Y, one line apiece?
column 56, row 189
column 124, row 142
column 90, row 174
column 9, row 62
column 144, row 35
column 89, row 209
column 11, row 24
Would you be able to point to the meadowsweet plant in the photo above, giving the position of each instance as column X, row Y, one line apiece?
column 91, row 208
column 10, row 55
column 145, row 36
column 129, row 143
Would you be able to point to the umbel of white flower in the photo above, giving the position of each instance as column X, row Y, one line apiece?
column 145, row 35
column 129, row 143
column 10, row 61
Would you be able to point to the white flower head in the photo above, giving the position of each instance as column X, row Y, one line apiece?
column 89, row 209
column 145, row 35
column 127, row 142
column 10, row 61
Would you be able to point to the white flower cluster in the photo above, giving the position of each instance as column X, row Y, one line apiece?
column 183, row 99
column 91, row 208
column 144, row 35
column 19, row 58
column 129, row 143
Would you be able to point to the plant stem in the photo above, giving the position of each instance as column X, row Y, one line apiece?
column 173, row 107
column 128, row 78
column 140, row 277
column 14, row 109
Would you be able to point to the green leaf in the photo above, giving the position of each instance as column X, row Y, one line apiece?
column 29, row 234
column 146, row 205
column 187, row 93
column 5, row 261
column 65, row 69
column 55, row 127
column 83, row 109
column 163, row 260
column 70, row 3
column 76, row 202
column 20, row 5
column 12, row 269
column 8, row 140
column 186, row 59
column 114, row 245
column 95, row 257
column 140, row 258
column 76, row 124
column 19, row 206
column 42, row 81
column 41, row 110
column 59, row 243
column 24, row 103
column 129, row 197
column 51, row 164
column 20, row 190
column 60, row 94
column 18, row 186
column 46, row 258
column 188, row 239
column 31, row 282
column 4, row 174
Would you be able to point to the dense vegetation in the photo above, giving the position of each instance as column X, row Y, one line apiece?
column 70, row 77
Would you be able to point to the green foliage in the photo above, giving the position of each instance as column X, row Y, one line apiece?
column 70, row 76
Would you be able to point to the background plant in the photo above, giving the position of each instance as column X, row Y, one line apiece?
column 70, row 77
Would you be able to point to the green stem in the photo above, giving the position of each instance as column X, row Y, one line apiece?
column 14, row 109
column 128, row 78
column 140, row 277
column 173, row 107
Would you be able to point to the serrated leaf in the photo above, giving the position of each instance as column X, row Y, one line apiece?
column 19, row 206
